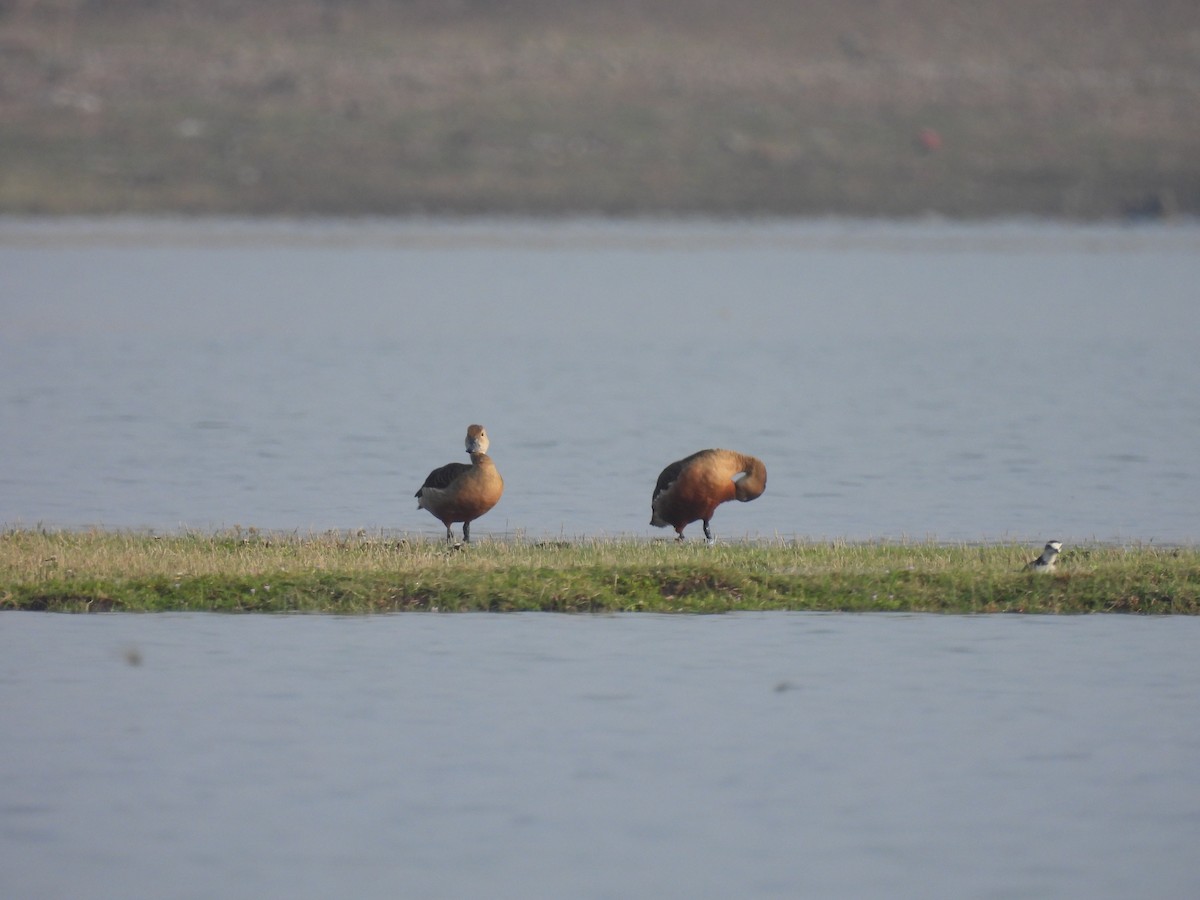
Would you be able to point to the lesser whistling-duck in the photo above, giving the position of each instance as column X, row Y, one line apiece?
column 1045, row 562
column 694, row 487
column 457, row 492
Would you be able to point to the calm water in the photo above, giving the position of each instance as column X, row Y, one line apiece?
column 1012, row 381
column 531, row 756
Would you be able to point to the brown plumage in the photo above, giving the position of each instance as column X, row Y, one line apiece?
column 692, row 488
column 457, row 492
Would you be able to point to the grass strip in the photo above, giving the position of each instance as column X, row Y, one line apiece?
column 350, row 574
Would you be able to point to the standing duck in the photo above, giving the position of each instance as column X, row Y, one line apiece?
column 457, row 492
column 694, row 487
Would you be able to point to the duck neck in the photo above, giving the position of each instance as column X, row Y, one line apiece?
column 754, row 481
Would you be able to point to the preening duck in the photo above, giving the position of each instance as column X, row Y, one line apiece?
column 457, row 492
column 692, row 488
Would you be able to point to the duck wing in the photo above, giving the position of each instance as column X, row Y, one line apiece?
column 671, row 473
column 442, row 476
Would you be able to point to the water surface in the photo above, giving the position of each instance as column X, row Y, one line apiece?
column 530, row 756
column 963, row 382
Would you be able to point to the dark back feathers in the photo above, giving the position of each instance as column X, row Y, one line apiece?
column 442, row 476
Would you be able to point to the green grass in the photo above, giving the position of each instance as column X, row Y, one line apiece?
column 250, row 571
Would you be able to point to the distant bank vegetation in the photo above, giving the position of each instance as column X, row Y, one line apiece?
column 1068, row 108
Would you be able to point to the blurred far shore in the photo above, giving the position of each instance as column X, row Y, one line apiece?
column 1068, row 109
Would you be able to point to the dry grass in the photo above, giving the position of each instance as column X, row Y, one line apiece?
column 358, row 573
column 1072, row 107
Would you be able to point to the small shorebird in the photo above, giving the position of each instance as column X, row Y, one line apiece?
column 1046, row 562
column 692, row 488
column 457, row 492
